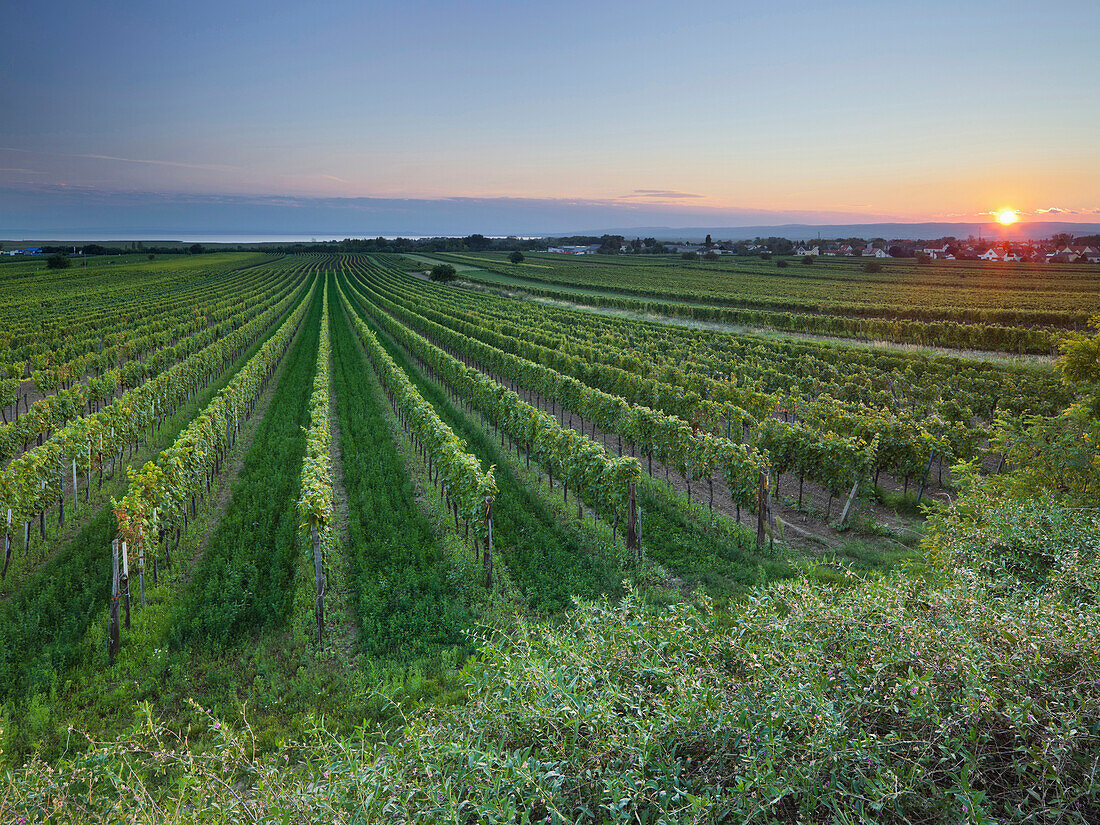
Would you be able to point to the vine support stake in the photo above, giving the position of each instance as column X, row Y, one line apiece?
column 319, row 602
column 848, row 503
column 924, row 478
column 632, row 542
column 761, row 509
column 7, row 545
column 489, row 543
column 126, row 583
column 113, row 640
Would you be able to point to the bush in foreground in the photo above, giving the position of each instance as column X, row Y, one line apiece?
column 952, row 698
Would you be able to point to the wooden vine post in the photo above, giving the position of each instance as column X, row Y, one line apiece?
column 7, row 545
column 761, row 509
column 113, row 635
column 489, row 542
column 126, row 583
column 848, row 503
column 141, row 566
column 632, row 542
column 318, row 572
column 924, row 478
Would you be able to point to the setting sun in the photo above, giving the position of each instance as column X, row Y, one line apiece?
column 1007, row 216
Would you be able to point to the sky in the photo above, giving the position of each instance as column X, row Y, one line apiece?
column 544, row 116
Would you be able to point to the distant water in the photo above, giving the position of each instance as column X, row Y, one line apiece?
column 85, row 237
column 145, row 237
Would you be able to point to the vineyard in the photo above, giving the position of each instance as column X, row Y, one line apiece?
column 1016, row 308
column 285, row 489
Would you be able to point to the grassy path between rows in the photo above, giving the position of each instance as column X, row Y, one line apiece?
column 549, row 562
column 397, row 575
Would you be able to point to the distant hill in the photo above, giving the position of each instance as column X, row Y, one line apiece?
column 1025, row 230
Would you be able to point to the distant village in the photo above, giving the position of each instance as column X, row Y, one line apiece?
column 1056, row 250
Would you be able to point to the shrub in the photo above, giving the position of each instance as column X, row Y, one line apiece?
column 516, row 257
column 781, row 264
column 443, row 273
column 689, row 256
column 872, row 266
column 58, row 261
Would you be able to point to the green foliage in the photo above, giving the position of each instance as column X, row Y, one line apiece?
column 443, row 273
column 159, row 492
column 243, row 581
column 550, row 562
column 516, row 257
column 401, row 597
column 471, row 488
column 1080, row 365
column 58, row 261
column 902, row 700
column 31, row 482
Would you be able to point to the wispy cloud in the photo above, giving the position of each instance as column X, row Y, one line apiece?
column 1056, row 210
column 20, row 171
column 217, row 167
column 661, row 194
column 333, row 177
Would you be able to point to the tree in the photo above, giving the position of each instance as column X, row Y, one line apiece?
column 711, row 256
column 196, row 249
column 689, row 256
column 808, row 259
column 516, row 257
column 443, row 273
column 872, row 266
column 765, row 256
column 1080, row 366
column 58, row 261
column 924, row 258
column 152, row 257
column 780, row 263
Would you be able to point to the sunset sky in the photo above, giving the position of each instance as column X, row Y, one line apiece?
column 742, row 112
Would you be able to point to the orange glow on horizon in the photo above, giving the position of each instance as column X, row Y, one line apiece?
column 1006, row 217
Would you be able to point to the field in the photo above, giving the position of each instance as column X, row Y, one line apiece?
column 315, row 538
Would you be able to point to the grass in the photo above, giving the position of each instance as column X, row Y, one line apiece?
column 400, row 594
column 46, row 617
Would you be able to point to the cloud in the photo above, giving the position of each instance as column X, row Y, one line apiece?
column 661, row 194
column 217, row 167
column 21, row 171
column 1056, row 210
column 333, row 177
